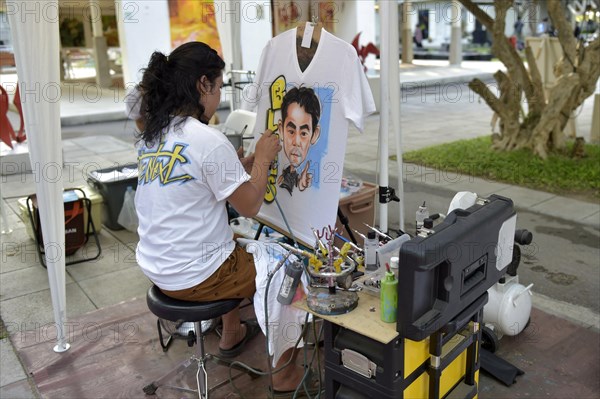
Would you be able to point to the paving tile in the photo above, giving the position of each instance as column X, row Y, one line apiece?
column 592, row 220
column 453, row 181
column 363, row 167
column 16, row 222
column 18, row 251
column 111, row 288
column 23, row 281
column 122, row 157
column 84, row 161
column 102, row 144
column 115, row 256
column 125, row 237
column 566, row 208
column 15, row 212
column 524, row 197
column 34, row 310
column 18, row 390
column 17, row 185
column 9, row 364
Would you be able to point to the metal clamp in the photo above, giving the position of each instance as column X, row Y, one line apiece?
column 358, row 363
column 387, row 195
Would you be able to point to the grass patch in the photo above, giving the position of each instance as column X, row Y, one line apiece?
column 558, row 174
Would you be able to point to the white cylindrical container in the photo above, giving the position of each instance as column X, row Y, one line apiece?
column 371, row 245
column 508, row 307
column 421, row 215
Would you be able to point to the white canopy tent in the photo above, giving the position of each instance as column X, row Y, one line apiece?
column 34, row 26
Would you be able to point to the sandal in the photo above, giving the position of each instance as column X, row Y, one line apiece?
column 252, row 330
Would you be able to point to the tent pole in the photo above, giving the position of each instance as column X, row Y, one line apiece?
column 394, row 88
column 384, row 63
column 37, row 48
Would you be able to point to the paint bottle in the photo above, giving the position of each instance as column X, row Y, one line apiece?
column 388, row 296
column 394, row 264
column 293, row 272
column 421, row 214
column 371, row 245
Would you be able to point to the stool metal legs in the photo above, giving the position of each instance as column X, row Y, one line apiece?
column 200, row 357
column 201, row 380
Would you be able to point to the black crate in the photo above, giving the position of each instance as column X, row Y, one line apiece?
column 113, row 190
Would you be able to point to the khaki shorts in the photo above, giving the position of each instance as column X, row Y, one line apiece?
column 234, row 279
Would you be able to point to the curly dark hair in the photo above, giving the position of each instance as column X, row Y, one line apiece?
column 169, row 89
column 306, row 98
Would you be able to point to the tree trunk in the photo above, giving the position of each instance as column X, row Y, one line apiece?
column 540, row 127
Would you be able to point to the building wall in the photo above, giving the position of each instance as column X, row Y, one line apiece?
column 143, row 29
column 440, row 19
column 353, row 17
column 256, row 31
column 5, row 35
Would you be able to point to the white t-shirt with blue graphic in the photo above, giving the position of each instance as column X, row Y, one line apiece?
column 180, row 200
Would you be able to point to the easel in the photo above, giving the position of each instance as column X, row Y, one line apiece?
column 306, row 47
column 340, row 214
column 263, row 223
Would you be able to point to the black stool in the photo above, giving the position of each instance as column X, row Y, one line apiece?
column 175, row 310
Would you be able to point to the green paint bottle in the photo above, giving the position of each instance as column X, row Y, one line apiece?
column 389, row 297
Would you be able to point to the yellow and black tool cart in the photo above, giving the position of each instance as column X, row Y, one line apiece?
column 432, row 351
column 367, row 358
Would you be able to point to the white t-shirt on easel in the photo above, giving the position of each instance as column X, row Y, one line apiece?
column 337, row 77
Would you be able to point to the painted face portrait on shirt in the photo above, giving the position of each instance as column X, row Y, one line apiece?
column 299, row 126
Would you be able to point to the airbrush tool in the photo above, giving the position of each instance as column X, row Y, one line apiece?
column 379, row 233
column 361, row 235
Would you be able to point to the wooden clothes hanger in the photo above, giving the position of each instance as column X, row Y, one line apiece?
column 318, row 26
column 306, row 54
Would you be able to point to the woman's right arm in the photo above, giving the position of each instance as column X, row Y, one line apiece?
column 249, row 196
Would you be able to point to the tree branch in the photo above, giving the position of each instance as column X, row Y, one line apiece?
column 550, row 117
column 590, row 62
column 501, row 7
column 492, row 101
column 510, row 89
column 565, row 34
column 537, row 105
column 589, row 72
column 508, row 54
column 481, row 16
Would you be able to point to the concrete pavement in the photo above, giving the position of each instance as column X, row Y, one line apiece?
column 431, row 113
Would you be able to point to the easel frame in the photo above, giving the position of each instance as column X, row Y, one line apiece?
column 340, row 215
